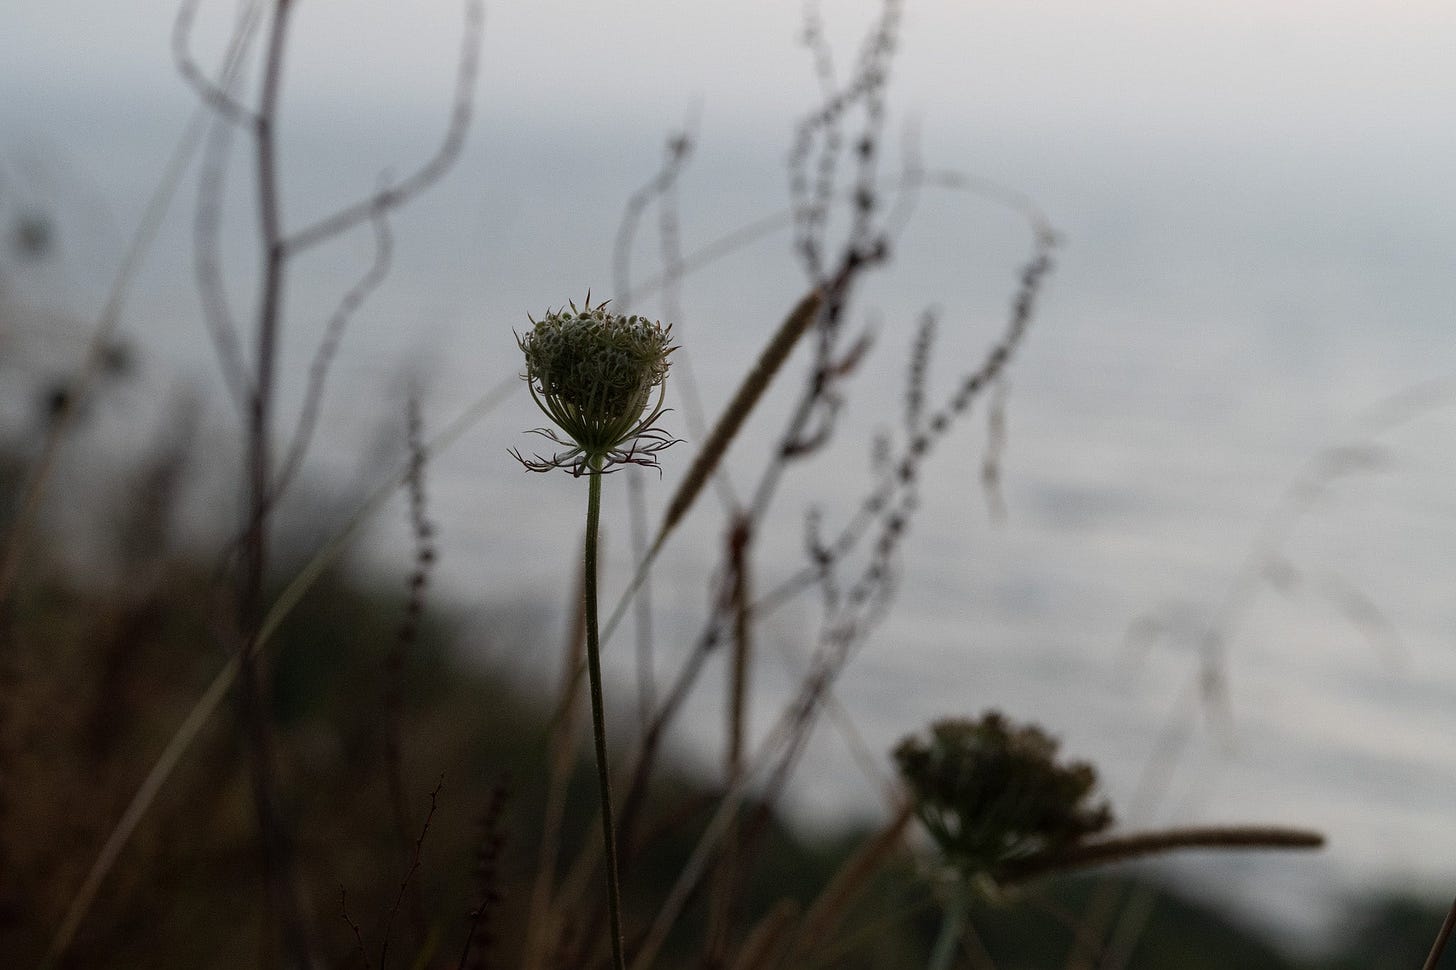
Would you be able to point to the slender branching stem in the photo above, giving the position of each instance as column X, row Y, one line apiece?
column 276, row 840
column 599, row 716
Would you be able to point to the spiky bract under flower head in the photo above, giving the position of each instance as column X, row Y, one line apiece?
column 990, row 792
column 594, row 373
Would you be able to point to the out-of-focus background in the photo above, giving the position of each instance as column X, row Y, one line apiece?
column 1257, row 223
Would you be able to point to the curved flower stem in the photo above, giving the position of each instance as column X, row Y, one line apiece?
column 952, row 926
column 599, row 717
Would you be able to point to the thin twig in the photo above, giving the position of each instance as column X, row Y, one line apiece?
column 561, row 751
column 1442, row 937
column 487, row 874
column 736, row 585
column 358, row 936
column 216, row 96
column 410, row 873
column 869, row 929
column 765, row 939
column 1084, row 943
column 1127, row 933
column 642, row 619
column 662, row 189
column 669, row 234
column 395, row 195
column 740, row 603
column 217, row 318
column 327, row 350
column 405, row 640
column 839, row 894
column 995, row 450
column 280, row 874
column 911, row 180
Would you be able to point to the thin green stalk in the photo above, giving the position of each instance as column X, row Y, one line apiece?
column 952, row 927
column 599, row 717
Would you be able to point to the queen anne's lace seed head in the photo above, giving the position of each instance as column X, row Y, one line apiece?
column 600, row 377
column 990, row 792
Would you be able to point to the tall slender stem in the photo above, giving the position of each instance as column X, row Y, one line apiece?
column 952, row 927
column 599, row 717
column 279, row 871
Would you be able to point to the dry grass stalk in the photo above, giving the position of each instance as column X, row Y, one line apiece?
column 834, row 901
column 540, row 926
column 1127, row 847
column 795, row 325
column 767, row 937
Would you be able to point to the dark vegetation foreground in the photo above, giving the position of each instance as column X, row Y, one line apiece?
column 100, row 672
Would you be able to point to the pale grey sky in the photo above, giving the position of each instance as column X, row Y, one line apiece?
column 1279, row 70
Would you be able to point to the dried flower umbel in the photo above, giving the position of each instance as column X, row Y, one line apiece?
column 990, row 792
column 1003, row 810
column 600, row 377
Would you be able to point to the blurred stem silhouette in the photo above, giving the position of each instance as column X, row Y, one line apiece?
column 1443, row 936
column 954, row 912
column 275, row 836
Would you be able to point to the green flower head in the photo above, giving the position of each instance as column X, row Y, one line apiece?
column 600, row 377
column 991, row 792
